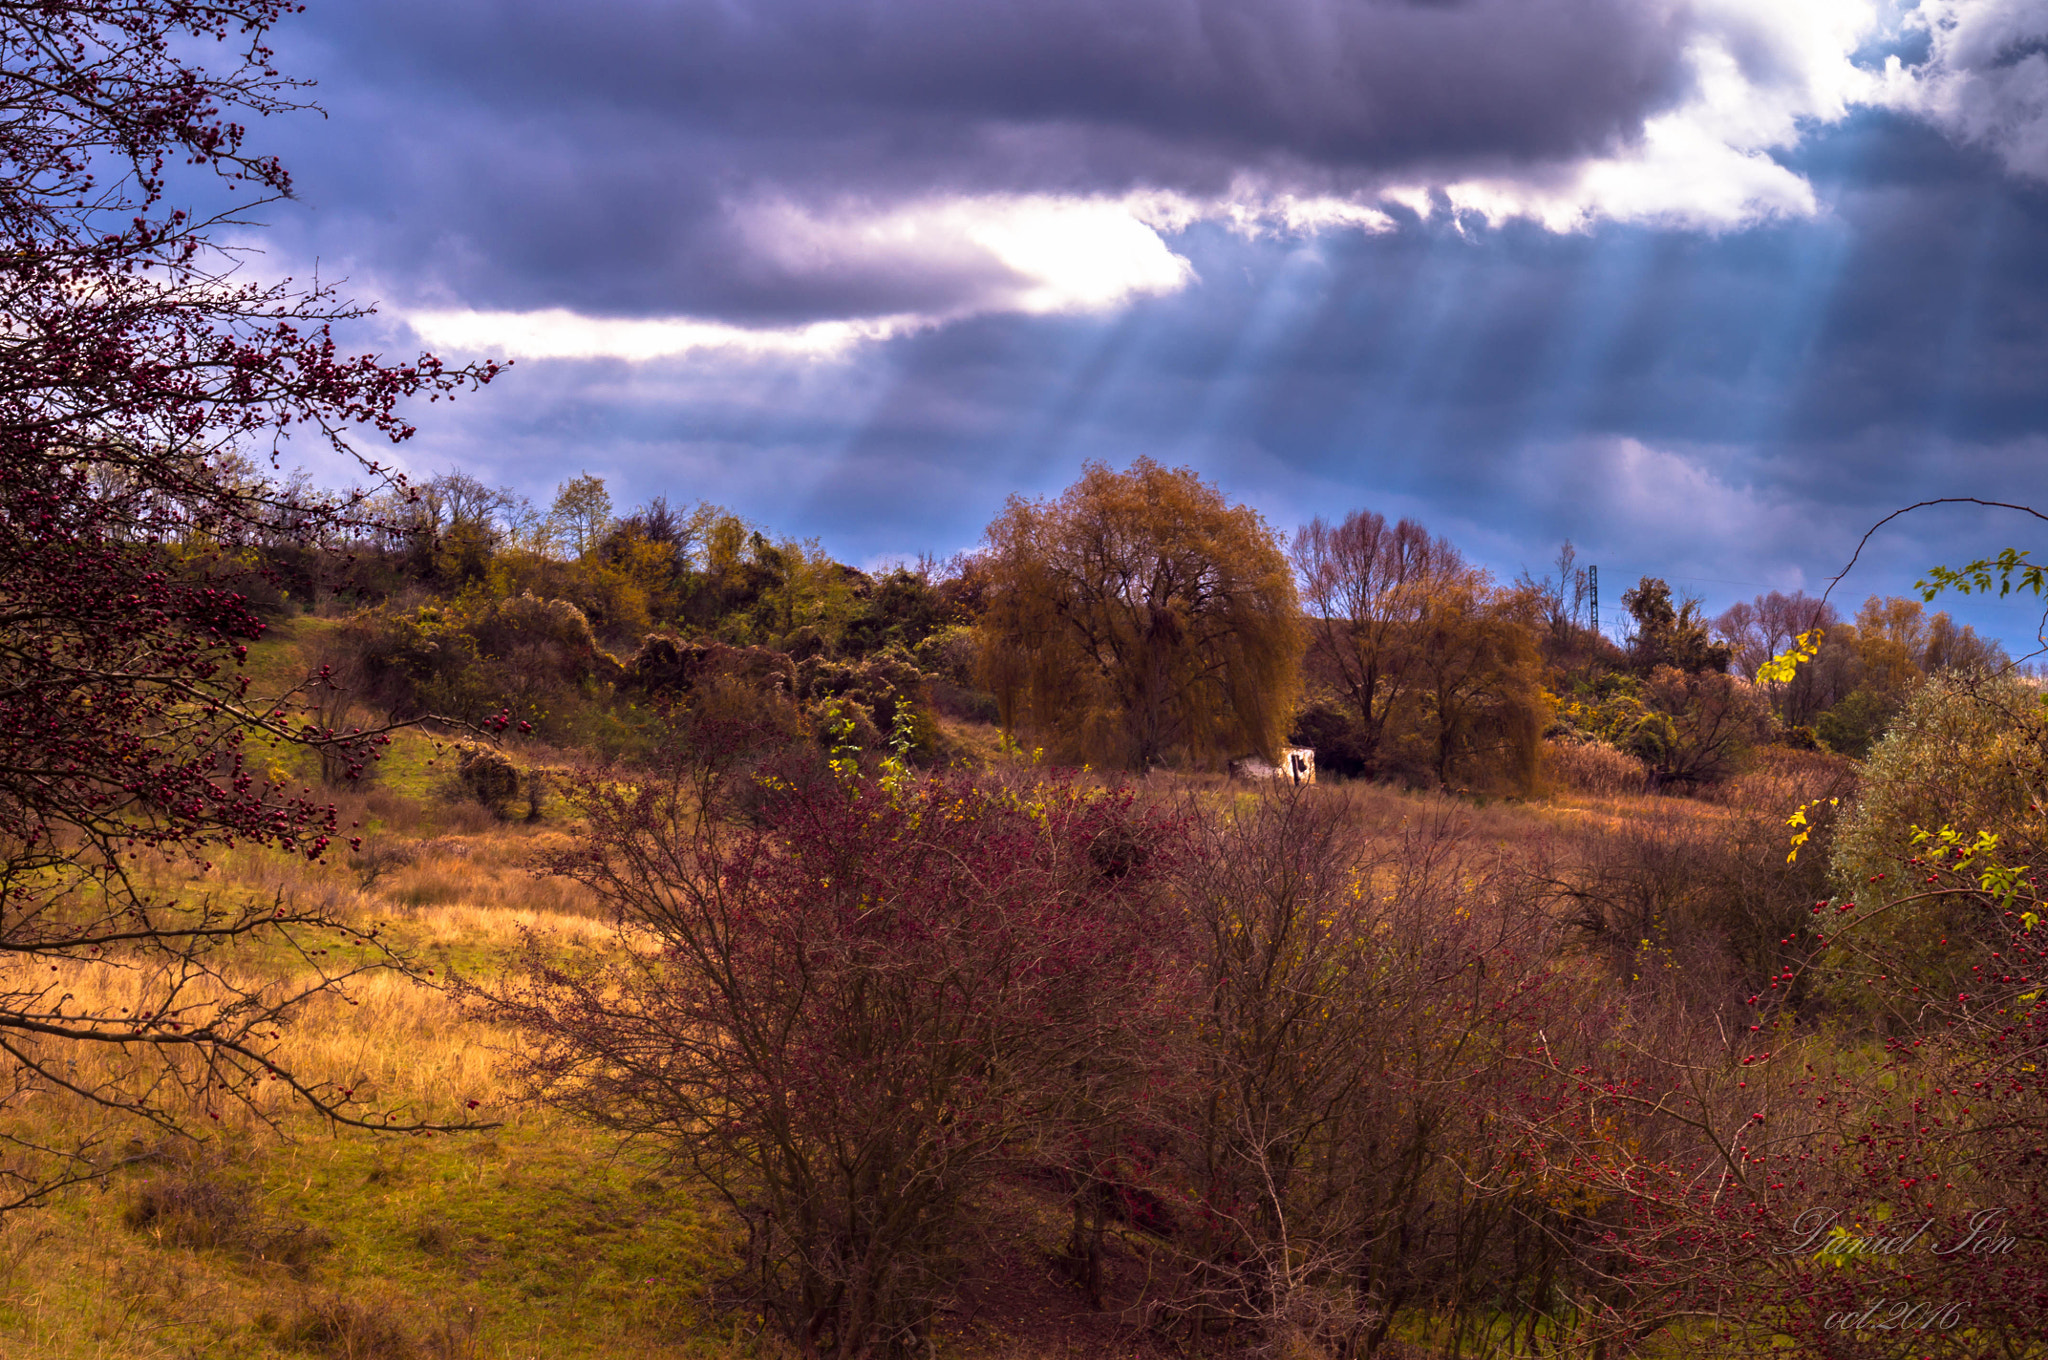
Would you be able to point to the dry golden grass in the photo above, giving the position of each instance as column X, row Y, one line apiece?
column 398, row 1041
column 400, row 1044
column 535, row 1240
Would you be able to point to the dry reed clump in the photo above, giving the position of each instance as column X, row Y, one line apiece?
column 1380, row 811
column 352, row 1324
column 1780, row 779
column 471, row 926
column 197, row 1201
column 494, row 870
column 1593, row 768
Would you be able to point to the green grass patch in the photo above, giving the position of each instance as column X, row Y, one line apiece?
column 532, row 1240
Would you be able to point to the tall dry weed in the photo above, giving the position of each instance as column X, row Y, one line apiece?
column 1593, row 768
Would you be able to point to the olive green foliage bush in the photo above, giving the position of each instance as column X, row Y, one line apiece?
column 1612, row 710
column 1687, row 728
column 489, row 778
column 1967, row 754
column 468, row 658
column 813, row 693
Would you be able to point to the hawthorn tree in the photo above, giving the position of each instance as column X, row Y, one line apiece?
column 142, row 380
column 845, row 1002
column 1771, row 1190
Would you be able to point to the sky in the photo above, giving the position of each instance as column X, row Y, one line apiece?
column 1706, row 286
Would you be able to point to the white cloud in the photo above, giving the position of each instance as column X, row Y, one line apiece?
column 1035, row 254
column 1763, row 71
column 1254, row 212
column 1667, row 504
column 559, row 334
column 1985, row 80
column 1032, row 253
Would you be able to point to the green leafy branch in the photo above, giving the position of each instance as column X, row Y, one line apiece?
column 2000, row 882
column 2008, row 570
column 839, row 726
column 902, row 736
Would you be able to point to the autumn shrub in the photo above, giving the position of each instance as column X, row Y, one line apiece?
column 666, row 665
column 1716, row 721
column 1360, row 998
column 1680, row 903
column 1843, row 1159
column 341, row 1324
column 950, row 653
column 813, row 692
column 1783, row 778
column 1878, row 1198
column 865, row 995
column 487, row 777
column 1967, row 753
column 195, row 1199
column 873, row 691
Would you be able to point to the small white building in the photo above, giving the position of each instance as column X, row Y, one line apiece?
column 1297, row 763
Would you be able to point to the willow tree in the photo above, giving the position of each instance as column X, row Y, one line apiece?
column 1141, row 619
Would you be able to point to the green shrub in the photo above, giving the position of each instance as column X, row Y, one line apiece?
column 1965, row 753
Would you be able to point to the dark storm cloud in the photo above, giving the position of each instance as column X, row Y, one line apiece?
column 1728, row 410
column 1342, row 82
column 594, row 152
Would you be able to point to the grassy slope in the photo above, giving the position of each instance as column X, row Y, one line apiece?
column 538, row 1239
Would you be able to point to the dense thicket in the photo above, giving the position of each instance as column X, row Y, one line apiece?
column 864, row 998
column 1319, row 1070
column 1141, row 620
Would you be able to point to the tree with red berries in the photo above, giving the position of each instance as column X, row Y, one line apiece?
column 846, row 1002
column 142, row 380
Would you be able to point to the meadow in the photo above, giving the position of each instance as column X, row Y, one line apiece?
column 268, row 1234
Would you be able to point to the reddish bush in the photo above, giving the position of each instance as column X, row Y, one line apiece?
column 846, row 1011
column 1882, row 1197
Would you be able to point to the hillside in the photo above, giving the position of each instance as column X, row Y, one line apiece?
column 534, row 1237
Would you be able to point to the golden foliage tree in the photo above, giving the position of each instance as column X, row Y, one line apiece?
column 1479, row 671
column 1141, row 619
